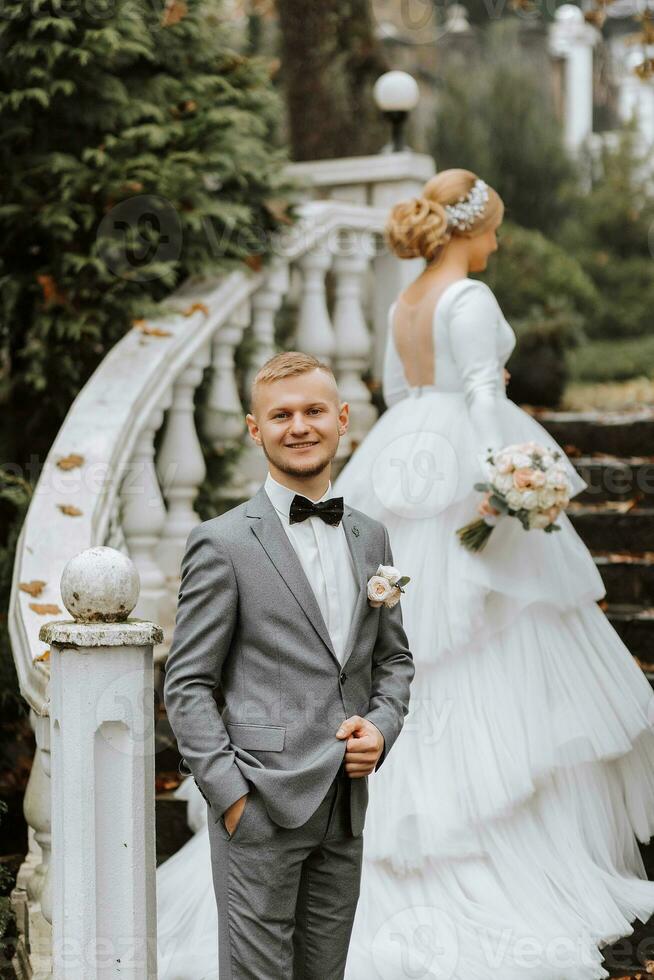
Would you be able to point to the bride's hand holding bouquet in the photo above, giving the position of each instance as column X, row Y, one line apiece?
column 526, row 481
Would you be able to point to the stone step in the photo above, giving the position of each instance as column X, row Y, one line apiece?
column 172, row 830
column 605, row 529
column 635, row 626
column 627, row 578
column 612, row 479
column 621, row 434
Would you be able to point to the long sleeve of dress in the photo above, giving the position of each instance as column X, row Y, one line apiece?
column 394, row 384
column 473, row 340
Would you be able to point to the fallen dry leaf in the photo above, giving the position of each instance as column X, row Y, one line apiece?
column 34, row 588
column 194, row 308
column 70, row 462
column 143, row 326
column 45, row 656
column 69, row 510
column 277, row 207
column 45, row 608
column 174, row 11
column 254, row 262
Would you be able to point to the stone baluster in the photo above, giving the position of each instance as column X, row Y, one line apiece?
column 31, row 899
column 353, row 341
column 102, row 744
column 143, row 518
column 223, row 418
column 315, row 334
column 265, row 304
column 181, row 468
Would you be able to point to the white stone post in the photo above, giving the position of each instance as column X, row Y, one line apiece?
column 102, row 748
column 572, row 39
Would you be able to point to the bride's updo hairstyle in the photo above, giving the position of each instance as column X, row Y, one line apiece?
column 421, row 227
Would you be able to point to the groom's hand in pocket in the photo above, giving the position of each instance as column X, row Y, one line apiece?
column 233, row 813
column 365, row 744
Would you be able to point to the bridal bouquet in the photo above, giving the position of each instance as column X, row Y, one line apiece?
column 525, row 481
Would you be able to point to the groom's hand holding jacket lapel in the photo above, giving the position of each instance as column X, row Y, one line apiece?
column 239, row 627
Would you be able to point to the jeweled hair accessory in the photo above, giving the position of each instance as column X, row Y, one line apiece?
column 464, row 214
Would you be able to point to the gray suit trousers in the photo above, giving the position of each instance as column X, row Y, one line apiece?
column 287, row 896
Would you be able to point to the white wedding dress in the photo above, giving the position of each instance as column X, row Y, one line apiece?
column 500, row 838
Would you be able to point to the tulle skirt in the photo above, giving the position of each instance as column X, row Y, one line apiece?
column 500, row 838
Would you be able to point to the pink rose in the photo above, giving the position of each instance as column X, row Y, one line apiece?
column 522, row 479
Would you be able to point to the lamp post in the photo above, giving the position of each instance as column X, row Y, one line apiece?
column 396, row 93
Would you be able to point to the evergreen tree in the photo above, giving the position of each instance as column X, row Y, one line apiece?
column 137, row 149
column 612, row 232
column 499, row 121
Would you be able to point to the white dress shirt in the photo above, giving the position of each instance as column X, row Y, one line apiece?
column 326, row 560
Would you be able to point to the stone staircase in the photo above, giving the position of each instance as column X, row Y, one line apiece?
column 614, row 453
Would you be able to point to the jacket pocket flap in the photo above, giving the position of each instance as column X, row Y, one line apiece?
column 267, row 738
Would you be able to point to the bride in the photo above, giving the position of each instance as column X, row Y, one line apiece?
column 501, row 833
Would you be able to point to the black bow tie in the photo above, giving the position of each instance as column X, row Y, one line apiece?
column 330, row 511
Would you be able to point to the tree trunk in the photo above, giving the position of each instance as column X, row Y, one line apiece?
column 330, row 61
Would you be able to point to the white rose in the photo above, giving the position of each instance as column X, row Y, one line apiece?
column 521, row 461
column 530, row 500
column 547, row 497
column 392, row 574
column 557, row 478
column 547, row 460
column 503, row 483
column 379, row 590
column 514, row 499
column 503, row 463
column 538, row 521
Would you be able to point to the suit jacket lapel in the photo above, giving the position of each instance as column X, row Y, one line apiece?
column 274, row 540
column 357, row 544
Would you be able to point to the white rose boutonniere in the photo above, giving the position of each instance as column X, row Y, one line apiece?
column 386, row 586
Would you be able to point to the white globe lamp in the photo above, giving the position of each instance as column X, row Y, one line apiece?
column 396, row 94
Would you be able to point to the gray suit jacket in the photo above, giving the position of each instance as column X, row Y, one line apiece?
column 248, row 624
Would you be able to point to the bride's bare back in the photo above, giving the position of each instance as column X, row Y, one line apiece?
column 413, row 332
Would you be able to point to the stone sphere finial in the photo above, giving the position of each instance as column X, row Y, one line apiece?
column 569, row 13
column 100, row 585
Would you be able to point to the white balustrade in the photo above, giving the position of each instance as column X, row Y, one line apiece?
column 181, row 469
column 103, row 822
column 353, row 342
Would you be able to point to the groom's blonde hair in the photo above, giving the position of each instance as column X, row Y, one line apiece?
column 289, row 364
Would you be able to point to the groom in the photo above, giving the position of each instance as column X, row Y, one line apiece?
column 312, row 681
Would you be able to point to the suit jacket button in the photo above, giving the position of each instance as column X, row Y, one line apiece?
column 343, row 677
